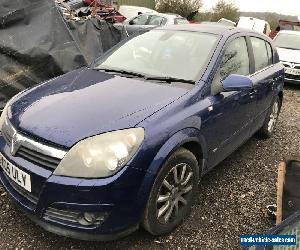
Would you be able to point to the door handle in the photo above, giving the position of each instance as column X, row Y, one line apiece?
column 277, row 78
column 252, row 94
column 210, row 108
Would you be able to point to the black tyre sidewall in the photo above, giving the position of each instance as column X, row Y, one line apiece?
column 150, row 222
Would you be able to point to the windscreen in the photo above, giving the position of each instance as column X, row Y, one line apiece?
column 162, row 53
column 288, row 41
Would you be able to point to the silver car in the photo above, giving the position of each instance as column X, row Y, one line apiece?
column 288, row 46
column 151, row 20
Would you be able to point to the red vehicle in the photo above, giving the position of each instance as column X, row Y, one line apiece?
column 285, row 25
column 105, row 10
column 98, row 3
column 289, row 25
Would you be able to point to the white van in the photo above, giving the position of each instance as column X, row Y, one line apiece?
column 254, row 24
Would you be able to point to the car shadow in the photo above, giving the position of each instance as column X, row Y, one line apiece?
column 291, row 86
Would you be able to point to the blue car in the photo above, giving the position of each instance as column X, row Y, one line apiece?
column 98, row 152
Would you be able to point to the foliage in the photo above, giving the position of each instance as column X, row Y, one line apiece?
column 224, row 10
column 181, row 7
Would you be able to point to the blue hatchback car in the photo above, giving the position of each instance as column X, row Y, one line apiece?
column 100, row 151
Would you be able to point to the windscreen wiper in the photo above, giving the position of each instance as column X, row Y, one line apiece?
column 169, row 79
column 121, row 71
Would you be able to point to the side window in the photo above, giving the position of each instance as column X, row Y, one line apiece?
column 260, row 53
column 270, row 53
column 156, row 20
column 235, row 59
column 139, row 20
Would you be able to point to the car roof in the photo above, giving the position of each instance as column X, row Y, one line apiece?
column 168, row 15
column 136, row 7
column 215, row 28
column 291, row 32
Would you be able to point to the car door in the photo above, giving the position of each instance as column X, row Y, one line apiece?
column 264, row 79
column 229, row 114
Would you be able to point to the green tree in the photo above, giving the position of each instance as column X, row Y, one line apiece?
column 181, row 7
column 224, row 10
column 272, row 20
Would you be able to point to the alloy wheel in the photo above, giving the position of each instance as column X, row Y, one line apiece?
column 174, row 193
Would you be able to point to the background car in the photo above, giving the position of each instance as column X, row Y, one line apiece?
column 132, row 11
column 288, row 47
column 150, row 20
column 97, row 152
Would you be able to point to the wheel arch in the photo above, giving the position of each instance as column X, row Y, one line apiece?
column 196, row 149
column 189, row 138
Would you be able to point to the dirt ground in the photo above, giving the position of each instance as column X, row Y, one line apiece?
column 231, row 201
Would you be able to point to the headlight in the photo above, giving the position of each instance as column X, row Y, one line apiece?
column 101, row 155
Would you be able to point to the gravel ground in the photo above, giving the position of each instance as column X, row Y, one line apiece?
column 231, row 201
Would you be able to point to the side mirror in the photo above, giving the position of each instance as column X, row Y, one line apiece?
column 236, row 83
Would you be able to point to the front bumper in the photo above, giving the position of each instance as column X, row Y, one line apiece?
column 58, row 203
column 64, row 231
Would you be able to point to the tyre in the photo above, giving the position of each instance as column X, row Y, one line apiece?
column 269, row 125
column 172, row 194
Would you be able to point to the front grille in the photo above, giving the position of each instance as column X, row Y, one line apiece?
column 36, row 157
column 289, row 65
column 30, row 151
column 292, row 77
column 29, row 196
column 62, row 215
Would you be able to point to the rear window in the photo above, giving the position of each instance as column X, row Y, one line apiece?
column 140, row 20
column 180, row 21
column 157, row 20
column 261, row 56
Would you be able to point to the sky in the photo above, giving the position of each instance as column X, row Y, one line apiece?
column 287, row 7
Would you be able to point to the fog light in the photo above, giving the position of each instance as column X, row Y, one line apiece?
column 88, row 218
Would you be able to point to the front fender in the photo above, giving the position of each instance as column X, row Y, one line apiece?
column 171, row 145
column 175, row 142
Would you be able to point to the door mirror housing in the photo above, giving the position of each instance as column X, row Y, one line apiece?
column 237, row 83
